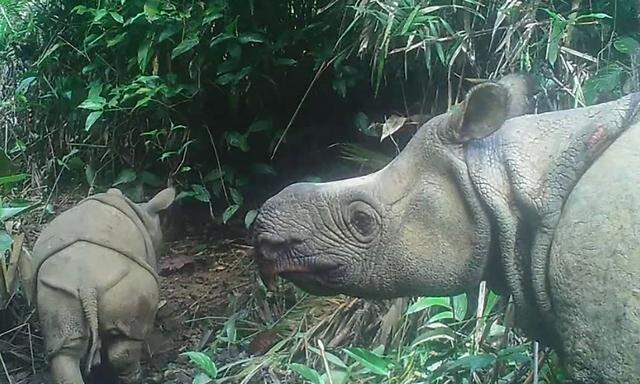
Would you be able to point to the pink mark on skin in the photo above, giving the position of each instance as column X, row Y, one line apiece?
column 597, row 136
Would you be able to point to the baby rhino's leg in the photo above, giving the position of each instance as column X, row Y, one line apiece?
column 124, row 355
column 65, row 364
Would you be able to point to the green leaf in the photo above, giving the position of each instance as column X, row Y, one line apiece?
column 125, row 176
column 460, row 306
column 117, row 17
column 492, row 298
column 245, row 38
column 428, row 302
column 184, row 46
column 626, row 45
column 143, row 54
column 90, row 175
column 471, row 362
column 229, row 212
column 7, row 180
column 603, row 82
column 201, row 378
column 6, row 241
column 374, row 363
column 442, row 333
column 25, row 83
column 238, row 140
column 250, row 217
column 151, row 9
column 333, row 359
column 446, row 315
column 203, row 362
column 558, row 26
column 91, row 120
column 93, row 103
column 201, row 193
column 309, row 374
column 8, row 212
column 236, row 196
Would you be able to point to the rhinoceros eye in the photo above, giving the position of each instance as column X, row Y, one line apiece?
column 363, row 221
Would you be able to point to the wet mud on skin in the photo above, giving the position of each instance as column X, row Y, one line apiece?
column 202, row 266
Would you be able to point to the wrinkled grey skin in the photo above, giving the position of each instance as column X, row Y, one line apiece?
column 96, row 285
column 544, row 207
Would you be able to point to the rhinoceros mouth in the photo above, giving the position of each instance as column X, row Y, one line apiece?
column 312, row 272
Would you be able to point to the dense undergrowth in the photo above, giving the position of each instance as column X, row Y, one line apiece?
column 230, row 99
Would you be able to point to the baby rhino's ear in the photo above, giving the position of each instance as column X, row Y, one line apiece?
column 161, row 201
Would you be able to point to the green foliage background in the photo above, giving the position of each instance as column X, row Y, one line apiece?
column 225, row 96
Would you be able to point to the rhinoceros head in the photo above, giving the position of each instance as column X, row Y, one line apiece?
column 414, row 227
column 150, row 213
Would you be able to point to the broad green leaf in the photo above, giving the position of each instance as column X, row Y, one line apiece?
column 8, row 212
column 460, row 306
column 143, row 54
column 603, row 82
column 91, row 119
column 184, row 46
column 125, row 176
column 445, row 315
column 626, row 45
column 374, row 363
column 201, row 193
column 5, row 243
column 442, row 333
column 7, row 180
column 309, row 374
column 492, row 298
column 93, row 103
column 249, row 218
column 236, row 196
column 229, row 212
column 428, row 302
column 203, row 362
column 516, row 354
column 237, row 140
column 151, row 9
column 333, row 359
column 471, row 362
column 558, row 26
column 117, row 17
column 25, row 83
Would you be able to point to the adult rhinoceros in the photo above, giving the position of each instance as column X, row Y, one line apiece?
column 543, row 207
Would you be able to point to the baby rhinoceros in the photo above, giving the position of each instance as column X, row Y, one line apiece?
column 96, row 284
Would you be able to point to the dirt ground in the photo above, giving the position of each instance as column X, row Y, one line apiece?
column 203, row 265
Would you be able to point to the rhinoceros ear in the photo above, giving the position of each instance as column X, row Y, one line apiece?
column 483, row 111
column 161, row 201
